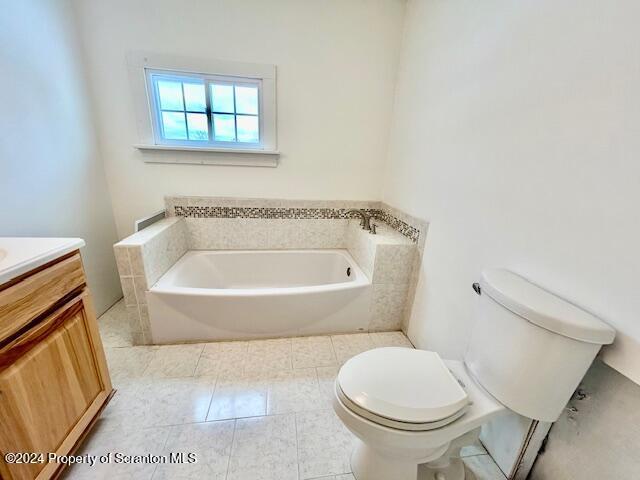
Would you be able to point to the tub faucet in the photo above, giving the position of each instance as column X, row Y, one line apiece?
column 365, row 221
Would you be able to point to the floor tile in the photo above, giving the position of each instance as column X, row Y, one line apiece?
column 174, row 361
column 346, row 476
column 206, row 439
column 293, row 391
column 312, row 352
column 210, row 442
column 125, row 363
column 239, row 395
column 483, row 467
column 324, row 444
column 115, row 328
column 128, row 407
column 215, row 470
column 264, row 448
column 263, row 435
column 222, row 358
column 263, row 467
column 476, row 449
column 269, row 355
column 267, row 406
column 346, row 346
column 172, row 401
column 128, row 441
column 390, row 339
column 326, row 383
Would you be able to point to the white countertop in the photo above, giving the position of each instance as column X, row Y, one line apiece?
column 19, row 255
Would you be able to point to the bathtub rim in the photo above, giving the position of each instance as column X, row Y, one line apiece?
column 361, row 279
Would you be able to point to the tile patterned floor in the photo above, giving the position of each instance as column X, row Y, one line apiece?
column 257, row 410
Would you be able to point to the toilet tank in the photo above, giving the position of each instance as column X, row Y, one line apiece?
column 530, row 348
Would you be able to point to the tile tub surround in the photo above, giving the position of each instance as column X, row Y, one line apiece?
column 265, row 208
column 389, row 258
column 224, row 222
column 243, row 421
column 247, row 223
column 142, row 259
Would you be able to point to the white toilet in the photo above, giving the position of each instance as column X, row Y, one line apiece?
column 412, row 411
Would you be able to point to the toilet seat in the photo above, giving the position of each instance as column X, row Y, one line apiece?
column 398, row 425
column 402, row 388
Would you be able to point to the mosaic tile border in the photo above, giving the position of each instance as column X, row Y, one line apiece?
column 409, row 231
column 295, row 213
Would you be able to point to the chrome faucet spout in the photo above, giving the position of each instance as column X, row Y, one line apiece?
column 365, row 218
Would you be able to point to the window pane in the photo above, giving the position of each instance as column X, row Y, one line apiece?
column 247, row 100
column 170, row 95
column 248, row 129
column 224, row 127
column 198, row 128
column 222, row 98
column 194, row 97
column 173, row 126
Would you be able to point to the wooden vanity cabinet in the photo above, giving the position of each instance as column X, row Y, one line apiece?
column 54, row 380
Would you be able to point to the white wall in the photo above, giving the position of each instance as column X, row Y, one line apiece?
column 516, row 135
column 52, row 181
column 336, row 65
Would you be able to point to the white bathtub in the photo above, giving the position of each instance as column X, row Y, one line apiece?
column 225, row 295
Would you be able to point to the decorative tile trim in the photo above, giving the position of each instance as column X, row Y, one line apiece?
column 279, row 213
column 409, row 231
column 295, row 213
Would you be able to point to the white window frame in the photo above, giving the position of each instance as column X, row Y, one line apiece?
column 207, row 80
column 142, row 65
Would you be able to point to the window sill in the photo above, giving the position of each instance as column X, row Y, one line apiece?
column 206, row 149
column 233, row 156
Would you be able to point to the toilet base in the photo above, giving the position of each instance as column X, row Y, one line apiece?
column 370, row 464
column 455, row 471
column 364, row 469
column 365, row 464
column 442, row 463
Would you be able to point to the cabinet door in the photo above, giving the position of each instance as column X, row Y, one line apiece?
column 49, row 379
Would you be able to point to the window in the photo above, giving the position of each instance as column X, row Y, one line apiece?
column 224, row 108
column 203, row 110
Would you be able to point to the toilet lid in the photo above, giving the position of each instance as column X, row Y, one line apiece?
column 398, row 425
column 402, row 384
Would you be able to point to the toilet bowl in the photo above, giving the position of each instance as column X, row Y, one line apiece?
column 412, row 412
column 416, row 428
